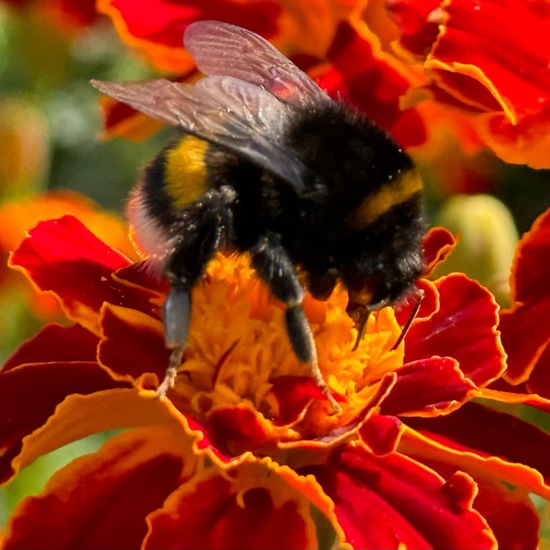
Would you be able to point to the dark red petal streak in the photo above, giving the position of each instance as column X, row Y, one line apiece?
column 464, row 328
column 100, row 500
column 539, row 381
column 393, row 501
column 30, row 394
column 428, row 387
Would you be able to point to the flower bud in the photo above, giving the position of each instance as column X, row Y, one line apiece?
column 487, row 239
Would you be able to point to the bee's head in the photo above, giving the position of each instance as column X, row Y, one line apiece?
column 374, row 282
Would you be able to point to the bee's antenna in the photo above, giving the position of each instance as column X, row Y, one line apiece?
column 363, row 317
column 418, row 295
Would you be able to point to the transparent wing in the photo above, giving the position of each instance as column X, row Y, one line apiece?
column 234, row 114
column 223, row 49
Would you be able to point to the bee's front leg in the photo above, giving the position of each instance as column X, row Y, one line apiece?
column 192, row 248
column 275, row 268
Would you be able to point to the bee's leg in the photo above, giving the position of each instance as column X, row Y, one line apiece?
column 195, row 244
column 273, row 266
column 177, row 314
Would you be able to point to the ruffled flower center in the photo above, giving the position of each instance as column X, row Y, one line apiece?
column 239, row 351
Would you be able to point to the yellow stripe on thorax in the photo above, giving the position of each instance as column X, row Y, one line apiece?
column 186, row 171
column 394, row 192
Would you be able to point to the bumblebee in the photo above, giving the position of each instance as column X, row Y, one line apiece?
column 266, row 163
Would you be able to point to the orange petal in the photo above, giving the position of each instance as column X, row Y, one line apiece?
column 79, row 416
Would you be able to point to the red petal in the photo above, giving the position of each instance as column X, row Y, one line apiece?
column 513, row 65
column 62, row 256
column 539, row 381
column 132, row 343
column 526, row 142
column 393, row 501
column 381, row 433
column 429, row 305
column 249, row 509
column 525, row 336
column 428, row 387
column 532, row 262
column 464, row 328
column 48, row 384
column 437, row 244
column 509, row 512
column 57, row 344
column 373, row 85
column 238, row 429
column 156, row 26
column 293, row 393
column 419, row 32
column 101, row 500
column 489, row 433
column 524, row 327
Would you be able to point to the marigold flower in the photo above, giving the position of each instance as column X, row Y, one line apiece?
column 244, row 451
column 418, row 68
column 491, row 59
column 524, row 326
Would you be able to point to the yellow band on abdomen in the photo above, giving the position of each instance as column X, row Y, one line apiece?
column 395, row 192
column 186, row 172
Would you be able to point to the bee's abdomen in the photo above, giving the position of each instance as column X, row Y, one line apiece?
column 405, row 185
column 185, row 171
column 174, row 180
column 170, row 184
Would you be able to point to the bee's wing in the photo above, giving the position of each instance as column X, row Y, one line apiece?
column 237, row 115
column 223, row 49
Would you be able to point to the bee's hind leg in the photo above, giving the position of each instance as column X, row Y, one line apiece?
column 274, row 267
